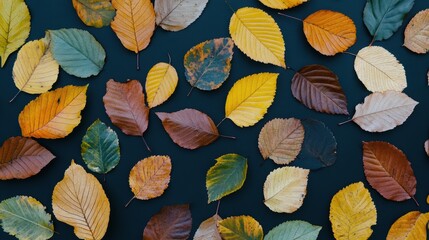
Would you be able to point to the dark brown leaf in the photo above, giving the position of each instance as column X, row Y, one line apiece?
column 22, row 158
column 318, row 88
column 388, row 171
column 171, row 223
column 189, row 128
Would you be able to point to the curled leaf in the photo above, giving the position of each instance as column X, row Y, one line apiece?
column 161, row 82
column 240, row 227
column 417, row 33
column 94, row 13
column 176, row 15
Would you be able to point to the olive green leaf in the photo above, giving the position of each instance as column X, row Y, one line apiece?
column 94, row 13
column 241, row 228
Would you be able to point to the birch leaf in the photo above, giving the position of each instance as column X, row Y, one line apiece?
column 417, row 33
column 411, row 226
column 176, row 15
column 161, row 81
column 240, row 227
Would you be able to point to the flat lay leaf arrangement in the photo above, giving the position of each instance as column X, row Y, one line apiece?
column 301, row 146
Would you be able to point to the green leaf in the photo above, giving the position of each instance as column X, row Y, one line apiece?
column 100, row 148
column 77, row 52
column 384, row 17
column 240, row 228
column 226, row 176
column 297, row 230
column 25, row 218
column 94, row 13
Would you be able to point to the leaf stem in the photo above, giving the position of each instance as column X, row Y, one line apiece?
column 145, row 143
column 221, row 122
column 128, row 203
column 350, row 53
column 342, row 123
column 189, row 93
column 16, row 95
column 291, row 17
column 415, row 200
column 230, row 137
column 230, row 7
column 217, row 208
column 138, row 61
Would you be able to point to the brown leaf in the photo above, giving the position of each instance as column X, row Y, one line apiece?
column 417, row 33
column 172, row 222
column 427, row 147
column 208, row 229
column 318, row 88
column 189, row 128
column 388, row 171
column 22, row 158
column 126, row 107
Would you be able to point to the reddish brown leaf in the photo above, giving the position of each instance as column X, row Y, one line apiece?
column 22, row 158
column 189, row 128
column 172, row 222
column 388, row 171
column 318, row 88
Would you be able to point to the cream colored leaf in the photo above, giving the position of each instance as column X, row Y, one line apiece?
column 417, row 33
column 411, row 226
column 161, row 82
column 208, row 229
column 282, row 4
column 175, row 15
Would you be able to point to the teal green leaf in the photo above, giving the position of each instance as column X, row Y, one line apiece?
column 25, row 218
column 384, row 17
column 297, row 230
column 77, row 52
column 100, row 148
column 208, row 64
column 226, row 176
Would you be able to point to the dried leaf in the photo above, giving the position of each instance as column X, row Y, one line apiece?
column 411, row 226
column 208, row 229
column 329, row 32
column 296, row 230
column 90, row 217
column 257, row 35
column 427, row 147
column 352, row 213
column 53, row 114
column 241, row 227
column 250, row 97
column 22, row 158
column 94, row 13
column 189, row 128
column 282, row 4
column 388, row 171
column 318, row 88
column 176, row 15
column 172, row 222
column 417, row 33
column 161, row 81
column 281, row 140
column 285, row 189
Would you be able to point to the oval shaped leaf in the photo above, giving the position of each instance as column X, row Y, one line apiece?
column 258, row 36
column 282, row 4
column 161, row 81
column 61, row 115
column 318, row 88
column 208, row 229
column 241, row 227
column 417, row 33
column 329, row 32
column 297, row 230
column 94, row 13
column 22, row 158
column 250, row 97
column 175, row 15
column 226, row 176
column 411, row 226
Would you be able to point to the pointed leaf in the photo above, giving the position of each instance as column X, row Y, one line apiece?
column 250, row 97
column 60, row 114
column 94, row 13
column 352, row 213
column 318, row 88
column 208, row 229
column 189, row 128
column 100, row 148
column 175, row 15
column 161, row 82
column 258, row 36
column 411, row 226
column 297, row 230
column 417, row 33
column 241, row 227
column 282, row 4
column 80, row 201
column 22, row 158
column 226, row 176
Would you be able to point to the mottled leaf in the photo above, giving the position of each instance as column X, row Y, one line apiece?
column 94, row 13
column 240, row 227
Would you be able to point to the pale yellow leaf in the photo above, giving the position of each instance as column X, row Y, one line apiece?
column 282, row 4
column 161, row 82
column 411, row 226
column 417, row 33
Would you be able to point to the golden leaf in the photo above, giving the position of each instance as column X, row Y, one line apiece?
column 161, row 82
column 411, row 226
column 282, row 4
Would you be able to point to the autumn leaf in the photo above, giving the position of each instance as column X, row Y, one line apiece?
column 25, row 218
column 329, row 32
column 208, row 64
column 258, row 36
column 240, row 227
column 60, row 114
column 161, row 82
column 379, row 70
column 282, row 4
column 417, row 33
column 250, row 97
column 100, row 148
column 281, row 140
column 285, row 189
column 94, row 13
column 318, row 88
column 226, row 176
column 90, row 217
column 208, row 229
column 189, row 128
column 14, row 27
column 22, row 158
column 411, row 226
column 297, row 230
column 427, row 147
column 172, row 222
column 388, row 171
column 352, row 213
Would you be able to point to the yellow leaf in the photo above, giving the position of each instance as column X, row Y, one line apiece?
column 250, row 97
column 80, row 201
column 282, row 4
column 285, row 189
column 411, row 226
column 35, row 70
column 352, row 213
column 161, row 82
column 14, row 26
column 53, row 114
column 240, row 228
column 258, row 36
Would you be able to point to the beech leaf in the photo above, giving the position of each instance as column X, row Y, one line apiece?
column 411, row 226
column 240, row 227
column 208, row 229
column 94, row 13
column 282, row 4
column 297, row 230
column 417, row 33
column 161, row 82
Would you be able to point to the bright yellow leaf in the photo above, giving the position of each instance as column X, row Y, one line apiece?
column 411, row 226
column 258, row 36
column 161, row 82
column 53, row 114
column 352, row 213
column 250, row 97
column 282, row 4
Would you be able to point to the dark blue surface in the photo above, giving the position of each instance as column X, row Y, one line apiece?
column 189, row 167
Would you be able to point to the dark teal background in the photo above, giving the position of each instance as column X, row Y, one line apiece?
column 189, row 167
